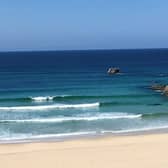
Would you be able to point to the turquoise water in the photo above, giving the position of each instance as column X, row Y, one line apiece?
column 66, row 94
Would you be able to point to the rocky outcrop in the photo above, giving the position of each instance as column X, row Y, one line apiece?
column 165, row 91
column 112, row 71
column 159, row 87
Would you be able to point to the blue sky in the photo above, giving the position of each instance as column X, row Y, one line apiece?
column 83, row 24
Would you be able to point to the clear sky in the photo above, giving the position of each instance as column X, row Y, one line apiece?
column 83, row 24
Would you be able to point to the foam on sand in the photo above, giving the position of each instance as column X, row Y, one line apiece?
column 22, row 137
column 144, row 129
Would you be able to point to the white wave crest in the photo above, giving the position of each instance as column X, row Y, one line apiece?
column 55, row 106
column 46, row 98
column 105, row 116
column 42, row 98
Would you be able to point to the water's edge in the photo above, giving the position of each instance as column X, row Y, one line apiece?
column 85, row 137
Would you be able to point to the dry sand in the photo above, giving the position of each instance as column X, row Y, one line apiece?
column 140, row 151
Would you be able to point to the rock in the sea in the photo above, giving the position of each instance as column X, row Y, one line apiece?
column 165, row 91
column 112, row 71
column 162, row 88
column 159, row 87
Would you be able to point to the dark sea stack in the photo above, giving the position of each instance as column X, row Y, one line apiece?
column 112, row 71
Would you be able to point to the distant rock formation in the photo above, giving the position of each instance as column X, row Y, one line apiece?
column 160, row 87
column 165, row 91
column 112, row 71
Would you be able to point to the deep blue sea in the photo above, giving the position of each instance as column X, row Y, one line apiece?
column 62, row 94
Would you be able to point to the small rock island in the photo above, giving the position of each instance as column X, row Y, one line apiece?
column 112, row 71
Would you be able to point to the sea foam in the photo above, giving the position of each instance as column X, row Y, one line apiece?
column 29, row 137
column 100, row 116
column 42, row 98
column 134, row 130
column 55, row 106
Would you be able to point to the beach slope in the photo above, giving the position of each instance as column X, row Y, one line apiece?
column 140, row 151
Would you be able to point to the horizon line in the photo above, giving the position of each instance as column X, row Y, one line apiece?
column 62, row 50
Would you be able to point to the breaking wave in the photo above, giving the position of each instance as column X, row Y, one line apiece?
column 56, row 106
column 42, row 98
column 100, row 116
column 71, row 97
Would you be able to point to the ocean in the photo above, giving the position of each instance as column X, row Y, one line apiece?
column 67, row 94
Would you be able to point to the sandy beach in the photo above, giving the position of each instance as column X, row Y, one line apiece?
column 147, row 151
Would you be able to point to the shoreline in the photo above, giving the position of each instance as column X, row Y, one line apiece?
column 85, row 137
column 118, row 151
